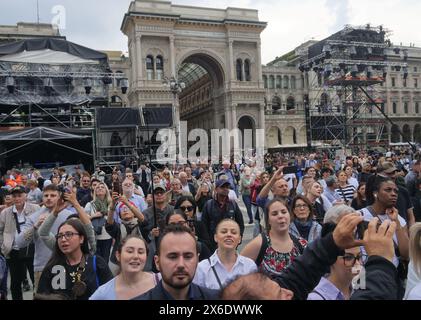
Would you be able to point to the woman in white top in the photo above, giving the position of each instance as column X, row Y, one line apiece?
column 225, row 264
column 97, row 210
column 413, row 285
column 132, row 281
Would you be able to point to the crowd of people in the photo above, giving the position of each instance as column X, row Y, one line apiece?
column 323, row 229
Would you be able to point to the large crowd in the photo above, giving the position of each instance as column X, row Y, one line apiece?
column 323, row 229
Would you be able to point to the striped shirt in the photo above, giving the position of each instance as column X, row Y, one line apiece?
column 346, row 193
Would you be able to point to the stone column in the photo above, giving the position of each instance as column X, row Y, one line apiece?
column 243, row 71
column 259, row 63
column 234, row 116
column 139, row 60
column 227, row 118
column 231, row 59
column 261, row 116
column 172, row 56
column 133, row 73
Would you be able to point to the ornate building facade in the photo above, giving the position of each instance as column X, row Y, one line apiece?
column 215, row 52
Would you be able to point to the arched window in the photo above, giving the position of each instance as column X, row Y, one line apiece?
column 278, row 82
column 406, row 130
column 417, row 133
column 394, row 108
column 417, row 108
column 395, row 136
column 247, row 69
column 290, row 103
column 265, row 82
column 159, row 67
column 276, row 103
column 293, row 82
column 405, row 107
column 149, row 67
column 239, row 70
column 271, row 82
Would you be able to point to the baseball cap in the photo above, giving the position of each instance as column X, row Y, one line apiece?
column 222, row 182
column 158, row 187
column 386, row 167
column 18, row 189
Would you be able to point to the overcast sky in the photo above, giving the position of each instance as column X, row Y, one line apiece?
column 96, row 23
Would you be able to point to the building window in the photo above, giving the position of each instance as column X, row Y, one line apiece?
column 239, row 70
column 415, row 83
column 278, row 82
column 247, row 69
column 286, row 82
column 294, row 136
column 415, row 69
column 149, row 67
column 404, row 83
column 293, row 82
column 271, row 82
column 159, row 67
column 276, row 103
column 394, row 107
column 290, row 103
column 405, row 107
column 393, row 82
column 417, row 108
column 265, row 82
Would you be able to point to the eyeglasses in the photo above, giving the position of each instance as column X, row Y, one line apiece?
column 189, row 208
column 299, row 206
column 350, row 259
column 67, row 235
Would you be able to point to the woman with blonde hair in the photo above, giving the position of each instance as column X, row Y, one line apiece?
column 413, row 285
column 98, row 210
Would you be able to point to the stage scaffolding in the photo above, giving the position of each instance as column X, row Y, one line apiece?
column 347, row 111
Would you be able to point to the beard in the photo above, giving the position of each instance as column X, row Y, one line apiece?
column 173, row 282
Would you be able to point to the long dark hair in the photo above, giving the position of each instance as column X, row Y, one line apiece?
column 358, row 199
column 189, row 199
column 373, row 185
column 58, row 257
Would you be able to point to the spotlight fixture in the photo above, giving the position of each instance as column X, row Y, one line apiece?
column 397, row 50
column 124, row 85
column 87, row 83
column 48, row 85
column 68, row 80
column 369, row 71
column 405, row 72
column 10, row 84
column 354, row 71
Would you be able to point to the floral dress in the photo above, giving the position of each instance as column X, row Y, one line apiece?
column 274, row 262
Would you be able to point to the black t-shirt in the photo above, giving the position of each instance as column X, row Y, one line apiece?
column 50, row 278
column 404, row 202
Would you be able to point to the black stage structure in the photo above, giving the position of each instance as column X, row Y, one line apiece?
column 50, row 90
column 348, row 112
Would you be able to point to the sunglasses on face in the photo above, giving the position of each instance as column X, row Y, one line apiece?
column 189, row 208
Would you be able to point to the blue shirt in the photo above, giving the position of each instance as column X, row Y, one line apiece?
column 326, row 290
column 105, row 292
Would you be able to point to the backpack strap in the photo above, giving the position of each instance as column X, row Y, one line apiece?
column 94, row 267
column 318, row 293
column 262, row 250
column 216, row 275
column 297, row 243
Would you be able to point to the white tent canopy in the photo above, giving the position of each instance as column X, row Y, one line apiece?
column 46, row 56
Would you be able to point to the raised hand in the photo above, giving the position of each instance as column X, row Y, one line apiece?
column 380, row 242
column 344, row 233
